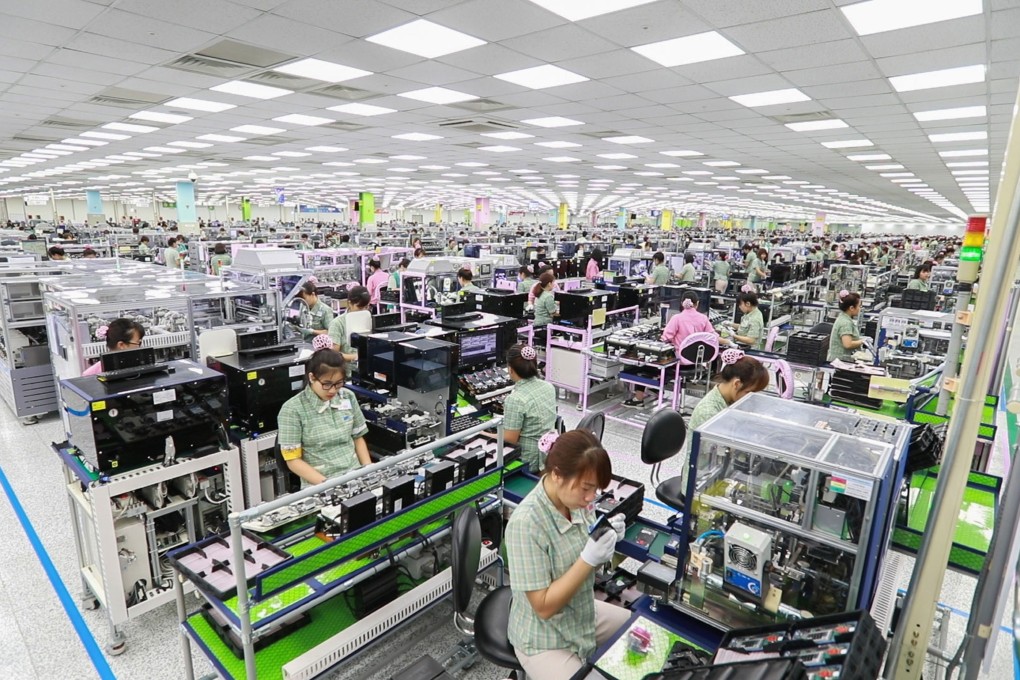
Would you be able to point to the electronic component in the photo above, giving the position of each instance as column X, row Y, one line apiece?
column 357, row 512
column 655, row 579
column 125, row 425
column 470, row 463
column 258, row 386
column 397, row 494
column 439, row 476
column 747, row 550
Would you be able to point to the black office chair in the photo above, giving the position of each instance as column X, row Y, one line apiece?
column 823, row 328
column 594, row 422
column 492, row 618
column 663, row 437
column 560, row 426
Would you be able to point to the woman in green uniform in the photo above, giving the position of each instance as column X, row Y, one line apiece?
column 358, row 300
column 525, row 281
column 316, row 315
column 688, row 273
column 220, row 259
column 394, row 283
column 556, row 623
column 920, row 280
column 845, row 338
column 545, row 301
column 530, row 409
column 721, row 273
column 659, row 275
column 752, row 325
column 756, row 272
column 322, row 428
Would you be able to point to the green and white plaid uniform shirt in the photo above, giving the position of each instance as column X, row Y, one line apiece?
column 316, row 318
column 323, row 433
column 844, row 325
column 530, row 408
column 752, row 325
column 541, row 546
column 711, row 404
column 545, row 308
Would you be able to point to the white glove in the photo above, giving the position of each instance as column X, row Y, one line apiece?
column 619, row 524
column 869, row 345
column 600, row 551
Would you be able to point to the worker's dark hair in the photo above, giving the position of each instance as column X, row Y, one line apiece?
column 121, row 330
column 691, row 296
column 659, row 257
column 220, row 249
column 577, row 455
column 418, row 252
column 849, row 300
column 375, row 264
column 748, row 297
column 404, row 262
column 172, row 241
column 597, row 254
column 749, row 370
column 55, row 250
column 324, row 362
column 688, row 258
column 922, row 268
column 526, row 368
column 464, row 273
column 359, row 297
column 544, row 280
column 526, row 270
column 143, row 239
column 308, row 288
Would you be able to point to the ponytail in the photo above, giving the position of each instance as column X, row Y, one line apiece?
column 544, row 280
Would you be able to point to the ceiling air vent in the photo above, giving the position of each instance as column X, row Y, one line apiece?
column 35, row 140
column 276, row 79
column 210, row 67
column 478, row 125
column 269, row 140
column 242, row 54
column 804, row 117
column 603, row 134
column 68, row 123
column 481, row 106
column 127, row 99
column 351, row 94
column 345, row 127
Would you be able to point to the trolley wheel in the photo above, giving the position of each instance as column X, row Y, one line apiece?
column 116, row 649
column 90, row 604
column 30, row 420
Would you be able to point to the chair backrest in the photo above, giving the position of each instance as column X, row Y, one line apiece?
column 466, row 554
column 560, row 426
column 663, row 437
column 698, row 348
column 823, row 328
column 358, row 322
column 770, row 339
column 784, row 378
column 594, row 422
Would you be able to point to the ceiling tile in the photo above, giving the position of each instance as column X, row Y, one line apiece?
column 723, row 69
column 765, row 83
column 559, row 44
column 927, row 38
column 646, row 24
column 863, row 70
column 803, row 29
column 610, row 64
column 289, row 36
column 358, row 18
column 497, row 20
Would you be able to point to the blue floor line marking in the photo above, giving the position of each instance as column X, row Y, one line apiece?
column 84, row 634
column 964, row 615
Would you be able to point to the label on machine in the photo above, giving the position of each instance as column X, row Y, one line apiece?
column 295, row 371
column 851, row 486
column 163, row 416
column 164, row 397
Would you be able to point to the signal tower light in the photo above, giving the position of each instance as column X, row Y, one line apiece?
column 971, row 252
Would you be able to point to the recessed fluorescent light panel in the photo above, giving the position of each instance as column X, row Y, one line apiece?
column 552, row 122
column 425, row 39
column 690, row 49
column 190, row 145
column 327, row 71
column 681, row 153
column 417, row 137
column 962, row 75
column 105, row 135
column 158, row 117
column 541, row 77
column 952, row 114
column 721, row 164
column 129, row 127
column 963, row 153
column 870, row 157
column 812, row 125
column 326, row 149
column 362, row 109
column 878, row 16
column 494, row 149
column 301, row 119
column 221, row 138
column 771, row 98
column 628, row 139
column 959, row 136
column 507, row 135
column 558, row 145
column 562, row 159
column 847, row 144
column 438, row 95
column 576, row 10
column 198, row 105
column 245, row 89
column 257, row 130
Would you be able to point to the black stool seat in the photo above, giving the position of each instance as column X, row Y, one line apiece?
column 671, row 492
column 491, row 622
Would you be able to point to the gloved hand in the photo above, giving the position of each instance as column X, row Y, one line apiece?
column 596, row 552
column 619, row 524
column 869, row 345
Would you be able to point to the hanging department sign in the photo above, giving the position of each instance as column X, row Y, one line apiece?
column 280, row 197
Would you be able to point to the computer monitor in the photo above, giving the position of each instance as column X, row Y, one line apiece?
column 479, row 347
column 130, row 358
column 473, row 250
column 34, row 247
column 382, row 322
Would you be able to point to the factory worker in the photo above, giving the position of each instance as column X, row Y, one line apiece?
column 659, row 275
column 316, row 315
column 525, row 281
column 464, row 277
column 220, row 259
column 741, row 375
column 358, row 300
column 688, row 273
column 721, row 273
column 920, row 281
column 845, row 338
column 545, row 301
column 171, row 256
column 143, row 246
column 120, row 335
column 679, row 327
column 530, row 409
column 752, row 325
column 394, row 282
column 756, row 272
column 376, row 280
column 322, row 430
column 556, row 623
column 592, row 271
column 56, row 253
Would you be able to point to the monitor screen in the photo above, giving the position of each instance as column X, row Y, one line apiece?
column 34, row 247
column 479, row 347
column 143, row 356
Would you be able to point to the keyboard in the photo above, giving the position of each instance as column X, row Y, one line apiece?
column 130, row 373
column 269, row 349
column 470, row 316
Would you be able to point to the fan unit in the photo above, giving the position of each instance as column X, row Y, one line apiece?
column 747, row 551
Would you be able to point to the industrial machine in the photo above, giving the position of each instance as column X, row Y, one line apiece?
column 259, row 383
column 791, row 512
